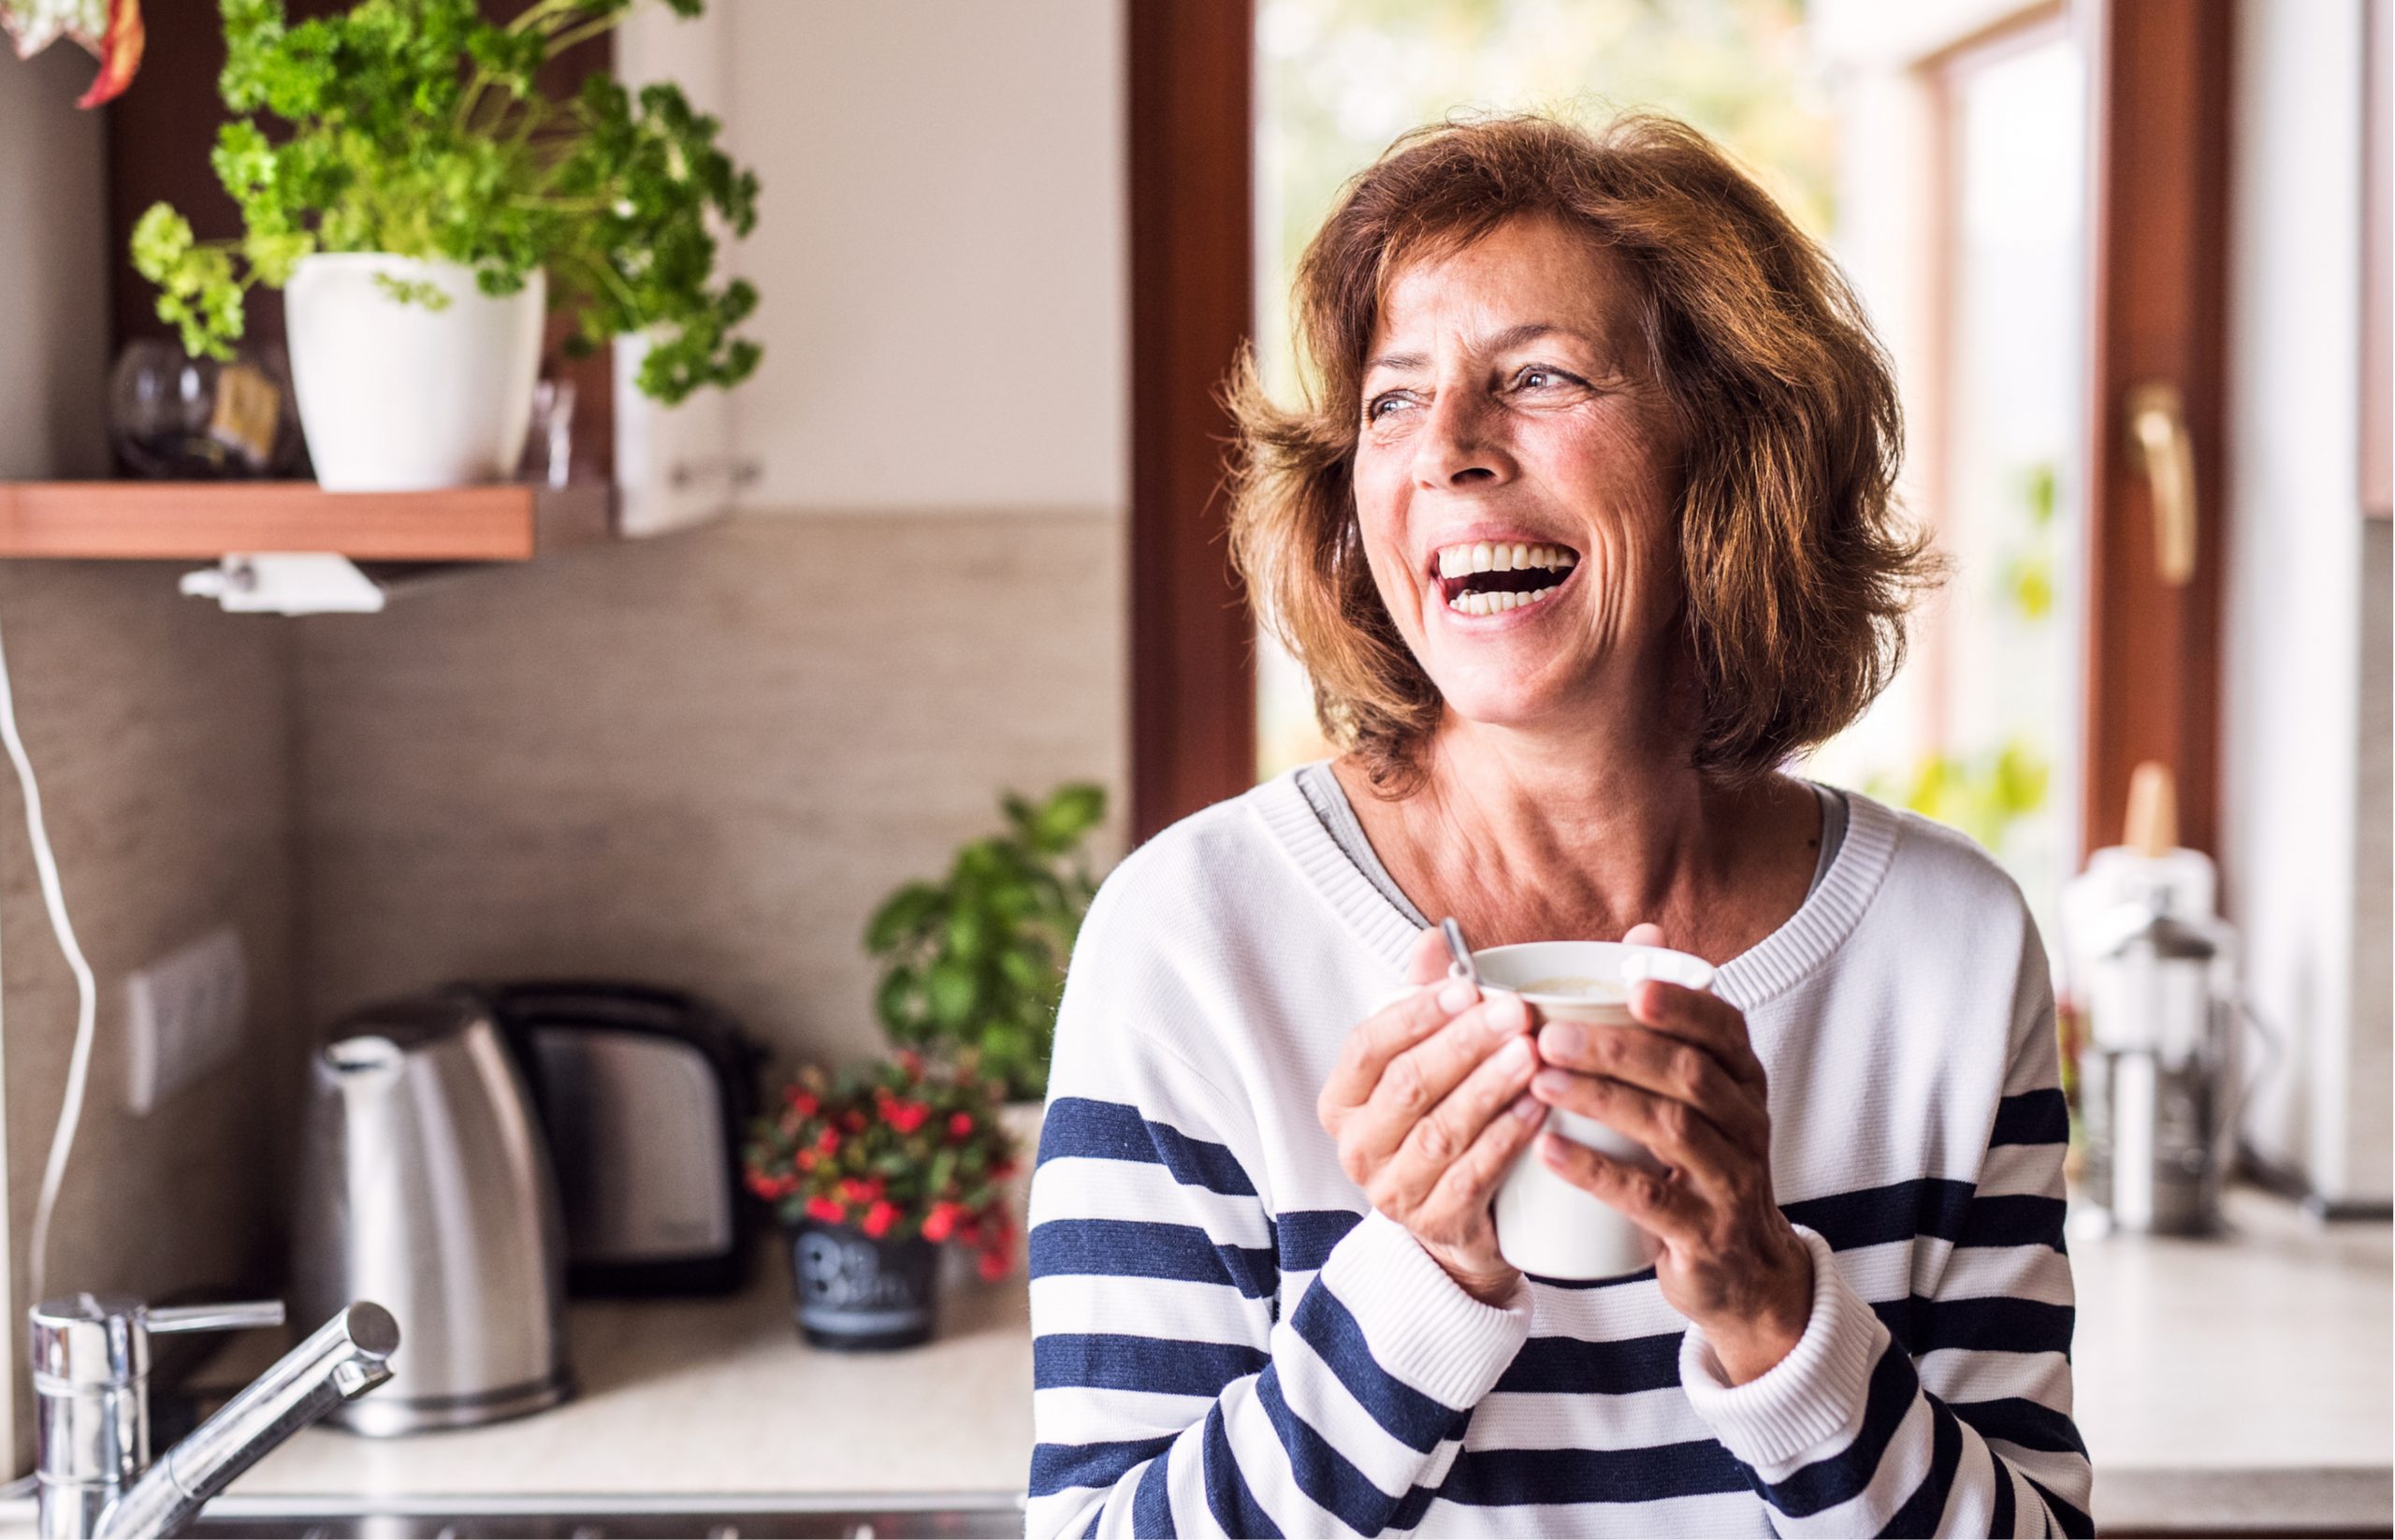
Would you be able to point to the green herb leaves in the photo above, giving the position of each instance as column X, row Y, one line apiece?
column 418, row 128
column 979, row 959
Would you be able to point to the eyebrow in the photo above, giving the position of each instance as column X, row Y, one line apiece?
column 1512, row 336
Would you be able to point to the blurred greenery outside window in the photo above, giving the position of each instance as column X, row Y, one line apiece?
column 1338, row 79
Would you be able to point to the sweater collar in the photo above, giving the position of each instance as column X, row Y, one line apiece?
column 1770, row 967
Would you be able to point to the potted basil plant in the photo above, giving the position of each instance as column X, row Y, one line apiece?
column 423, row 202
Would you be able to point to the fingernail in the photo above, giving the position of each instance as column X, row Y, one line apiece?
column 1507, row 1014
column 1552, row 1082
column 1563, row 1040
column 1515, row 1054
column 1457, row 996
column 1528, row 1108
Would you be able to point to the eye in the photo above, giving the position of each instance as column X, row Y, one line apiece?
column 1372, row 411
column 1532, row 375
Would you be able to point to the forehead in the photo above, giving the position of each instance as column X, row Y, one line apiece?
column 1535, row 269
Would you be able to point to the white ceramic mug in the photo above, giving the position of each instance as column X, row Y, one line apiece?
column 1547, row 1225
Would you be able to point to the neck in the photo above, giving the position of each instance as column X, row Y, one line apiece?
column 1537, row 834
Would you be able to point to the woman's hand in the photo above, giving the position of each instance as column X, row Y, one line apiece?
column 1686, row 1083
column 1429, row 1107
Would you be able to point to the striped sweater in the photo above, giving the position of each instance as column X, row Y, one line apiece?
column 1230, row 1340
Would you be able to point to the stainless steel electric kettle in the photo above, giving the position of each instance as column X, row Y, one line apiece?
column 425, row 1186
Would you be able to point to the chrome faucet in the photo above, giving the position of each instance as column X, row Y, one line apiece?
column 91, row 1368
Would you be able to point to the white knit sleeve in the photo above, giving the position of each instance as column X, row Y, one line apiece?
column 1958, row 1421
column 1176, row 1391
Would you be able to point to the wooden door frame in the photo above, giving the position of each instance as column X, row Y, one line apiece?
column 2159, row 133
column 1193, row 303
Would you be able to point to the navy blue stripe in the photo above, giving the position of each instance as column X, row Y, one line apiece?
column 1993, row 1325
column 2033, row 1117
column 1109, row 1130
column 1873, row 1216
column 1302, row 1238
column 1321, row 1471
column 1567, row 1365
column 1089, row 1530
column 1151, row 1503
column 1927, row 1504
column 1841, row 1477
column 2000, row 1526
column 1411, row 1507
column 1135, row 1248
column 2030, row 1424
column 1496, row 1478
column 2013, row 1219
column 1056, row 1467
column 2075, row 1523
column 1415, row 1419
column 1116, row 1361
column 1234, row 1506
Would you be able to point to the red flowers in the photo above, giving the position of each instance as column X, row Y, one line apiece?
column 898, row 1148
column 940, row 1223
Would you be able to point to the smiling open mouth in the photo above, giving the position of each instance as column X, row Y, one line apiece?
column 1490, row 579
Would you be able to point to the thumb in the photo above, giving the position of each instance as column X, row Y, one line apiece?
column 1644, row 935
column 1427, row 963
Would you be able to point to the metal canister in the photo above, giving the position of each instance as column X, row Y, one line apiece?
column 2160, row 1080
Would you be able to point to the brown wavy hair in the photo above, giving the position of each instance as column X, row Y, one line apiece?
column 1797, row 567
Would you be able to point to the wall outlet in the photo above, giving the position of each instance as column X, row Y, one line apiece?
column 184, row 1014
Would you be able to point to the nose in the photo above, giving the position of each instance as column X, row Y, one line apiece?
column 1461, row 445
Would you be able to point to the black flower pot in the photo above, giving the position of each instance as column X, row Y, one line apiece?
column 859, row 1294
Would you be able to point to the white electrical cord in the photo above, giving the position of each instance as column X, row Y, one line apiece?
column 79, row 1063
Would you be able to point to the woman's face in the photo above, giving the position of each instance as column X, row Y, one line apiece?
column 1517, row 476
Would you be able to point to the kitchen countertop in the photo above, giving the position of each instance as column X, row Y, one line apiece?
column 2227, row 1385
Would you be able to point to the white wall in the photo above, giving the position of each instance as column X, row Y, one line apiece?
column 2293, row 787
column 941, row 250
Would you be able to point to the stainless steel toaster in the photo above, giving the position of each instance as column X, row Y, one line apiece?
column 425, row 1186
column 645, row 1094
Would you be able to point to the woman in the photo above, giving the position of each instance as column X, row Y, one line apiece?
column 1585, row 531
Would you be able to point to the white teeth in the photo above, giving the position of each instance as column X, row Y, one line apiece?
column 1505, row 557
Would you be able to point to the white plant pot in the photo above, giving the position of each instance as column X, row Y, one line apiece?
column 399, row 398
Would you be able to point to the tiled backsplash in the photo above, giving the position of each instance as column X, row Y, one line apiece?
column 700, row 759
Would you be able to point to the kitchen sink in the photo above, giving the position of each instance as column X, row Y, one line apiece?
column 971, row 1516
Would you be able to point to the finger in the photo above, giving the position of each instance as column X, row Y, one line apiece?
column 1470, row 1184
column 1427, row 964
column 1379, row 1038
column 1644, row 935
column 1708, row 1021
column 1663, row 1065
column 1673, row 1131
column 1649, row 1199
column 1448, row 1130
column 1422, row 1077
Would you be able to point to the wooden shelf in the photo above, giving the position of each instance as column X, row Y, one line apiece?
column 186, row 520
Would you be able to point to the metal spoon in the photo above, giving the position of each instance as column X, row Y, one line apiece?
column 1462, row 968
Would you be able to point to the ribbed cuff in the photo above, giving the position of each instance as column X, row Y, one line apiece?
column 1811, row 1398
column 1419, row 1324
